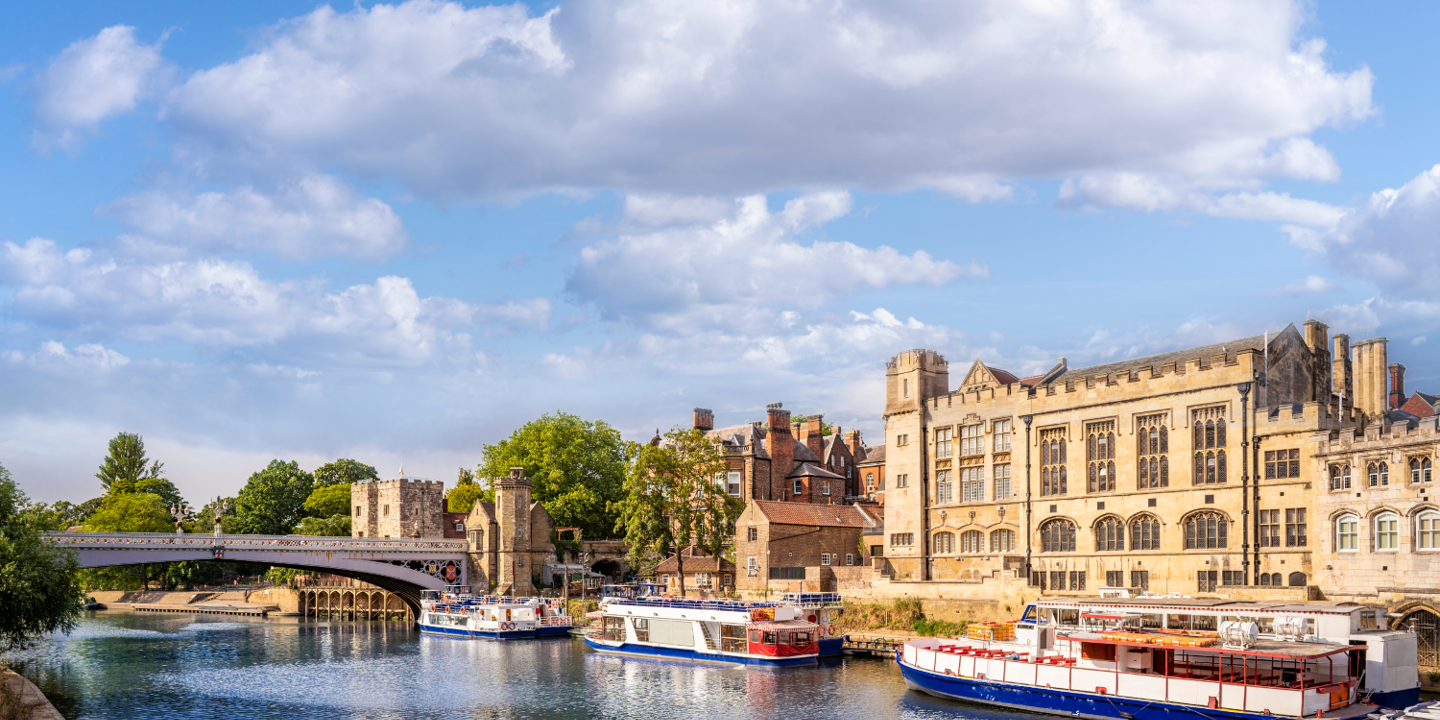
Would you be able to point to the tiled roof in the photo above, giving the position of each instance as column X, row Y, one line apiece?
column 873, row 456
column 808, row 470
column 1229, row 348
column 696, row 563
column 794, row 513
column 1004, row 377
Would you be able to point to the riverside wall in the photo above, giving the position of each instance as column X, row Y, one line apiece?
column 32, row 703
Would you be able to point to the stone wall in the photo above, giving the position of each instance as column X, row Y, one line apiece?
column 398, row 508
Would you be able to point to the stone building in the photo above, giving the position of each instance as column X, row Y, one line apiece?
column 784, row 546
column 703, row 572
column 783, row 461
column 1137, row 473
column 400, row 507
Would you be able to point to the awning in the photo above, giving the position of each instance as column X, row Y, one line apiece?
column 782, row 625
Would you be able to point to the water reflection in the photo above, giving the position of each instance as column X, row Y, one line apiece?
column 128, row 666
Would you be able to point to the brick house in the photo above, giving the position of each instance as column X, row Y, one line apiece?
column 702, row 572
column 870, row 474
column 785, row 546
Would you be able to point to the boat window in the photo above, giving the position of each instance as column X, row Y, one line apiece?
column 1203, row 622
column 732, row 638
column 1267, row 624
column 769, row 638
column 755, row 636
column 1152, row 620
column 614, row 628
column 1177, row 622
column 642, row 629
column 784, row 638
column 800, row 639
column 1067, row 616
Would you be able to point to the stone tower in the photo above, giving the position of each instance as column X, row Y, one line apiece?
column 512, row 510
column 400, row 507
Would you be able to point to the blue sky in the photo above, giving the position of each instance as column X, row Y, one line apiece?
column 269, row 229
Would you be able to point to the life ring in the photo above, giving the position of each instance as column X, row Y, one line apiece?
column 507, row 626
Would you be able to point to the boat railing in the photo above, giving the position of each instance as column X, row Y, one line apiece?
column 728, row 605
column 813, row 600
column 555, row 621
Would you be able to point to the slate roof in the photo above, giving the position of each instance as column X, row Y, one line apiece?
column 1229, row 348
column 754, row 435
column 805, row 469
column 873, row 456
column 795, row 513
column 699, row 562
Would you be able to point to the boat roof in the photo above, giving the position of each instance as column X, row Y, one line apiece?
column 1217, row 604
column 726, row 605
column 1259, row 648
column 781, row 625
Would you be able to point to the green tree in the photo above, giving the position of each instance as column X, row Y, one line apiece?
column 329, row 500
column 672, row 500
column 152, row 485
column 62, row 514
column 127, row 461
column 273, row 501
column 132, row 512
column 577, row 467
column 39, row 584
column 205, row 517
column 465, row 494
column 344, row 471
column 335, row 525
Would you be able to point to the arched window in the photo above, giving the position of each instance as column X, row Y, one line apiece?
column 944, row 543
column 1379, row 474
column 1109, row 535
column 1057, row 536
column 1164, row 472
column 1052, row 462
column 1387, row 531
column 1264, row 578
column 1220, row 432
column 1427, row 530
column 1347, row 533
column 1002, row 541
column 1220, row 466
column 1339, row 477
column 1206, row 531
column 972, row 541
column 1297, row 579
column 1145, row 533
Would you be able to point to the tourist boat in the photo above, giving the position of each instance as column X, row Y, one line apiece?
column 823, row 609
column 709, row 631
column 456, row 612
column 1162, row 658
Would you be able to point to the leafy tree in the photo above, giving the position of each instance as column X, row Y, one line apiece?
column 132, row 512
column 127, row 461
column 273, row 501
column 465, row 477
column 344, row 471
column 329, row 500
column 152, row 485
column 672, row 500
column 62, row 514
column 39, row 586
column 465, row 494
column 335, row 525
column 193, row 573
column 577, row 467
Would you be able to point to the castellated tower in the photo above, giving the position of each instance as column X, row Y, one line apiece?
column 401, row 507
column 512, row 510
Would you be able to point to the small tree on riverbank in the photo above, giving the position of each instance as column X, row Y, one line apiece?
column 39, row 589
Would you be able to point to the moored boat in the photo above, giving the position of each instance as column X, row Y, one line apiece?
column 823, row 609
column 709, row 631
column 455, row 612
column 1162, row 658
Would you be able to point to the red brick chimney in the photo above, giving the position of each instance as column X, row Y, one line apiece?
column 780, row 446
column 812, row 437
column 704, row 419
column 1397, row 385
column 853, row 440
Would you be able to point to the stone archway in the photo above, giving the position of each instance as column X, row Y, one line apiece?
column 1427, row 636
column 609, row 568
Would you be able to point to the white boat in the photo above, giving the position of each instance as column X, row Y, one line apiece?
column 709, row 631
column 823, row 609
column 456, row 612
column 1161, row 658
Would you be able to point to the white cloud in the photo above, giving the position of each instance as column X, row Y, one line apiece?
column 224, row 304
column 1151, row 194
column 1391, row 240
column 317, row 216
column 1309, row 285
column 747, row 96
column 737, row 269
column 53, row 356
column 92, row 80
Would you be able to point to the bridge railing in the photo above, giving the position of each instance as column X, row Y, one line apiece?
column 199, row 541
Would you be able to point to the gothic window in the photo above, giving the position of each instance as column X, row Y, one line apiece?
column 1427, row 530
column 972, row 440
column 1057, row 536
column 1379, row 473
column 1209, row 426
column 1145, row 533
column 942, row 443
column 1109, row 535
column 1420, row 469
column 1282, row 464
column 944, row 543
column 1002, row 435
column 1052, row 462
column 1339, row 477
column 1002, row 541
column 972, row 541
column 1152, row 448
column 944, row 491
column 1387, row 531
column 1002, row 481
column 1347, row 533
column 1206, row 531
column 1100, row 456
column 972, row 484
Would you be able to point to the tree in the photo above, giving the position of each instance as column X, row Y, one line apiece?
column 273, row 501
column 205, row 517
column 127, row 461
column 328, row 501
column 344, row 471
column 577, row 468
column 62, row 514
column 465, row 494
column 39, row 585
column 672, row 499
column 132, row 512
column 152, row 485
column 336, row 525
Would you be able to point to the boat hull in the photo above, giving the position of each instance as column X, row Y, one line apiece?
column 1075, row 704
column 552, row 631
column 665, row 653
column 487, row 634
column 1396, row 699
column 831, row 646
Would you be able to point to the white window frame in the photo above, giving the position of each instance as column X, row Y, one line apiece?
column 1347, row 533
column 1003, row 489
column 825, row 488
column 1002, row 430
column 1427, row 538
column 733, row 485
column 942, row 442
column 799, row 487
column 849, row 559
column 972, row 484
column 1386, row 526
column 972, row 439
column 824, row 558
column 752, row 566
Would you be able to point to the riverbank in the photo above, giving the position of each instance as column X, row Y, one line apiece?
column 21, row 700
column 202, row 602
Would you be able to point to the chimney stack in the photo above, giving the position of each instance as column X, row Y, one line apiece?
column 1342, row 375
column 704, row 419
column 1370, row 391
column 780, row 446
column 1397, row 385
column 853, row 440
column 812, row 436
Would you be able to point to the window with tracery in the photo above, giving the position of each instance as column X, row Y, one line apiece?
column 942, row 442
column 1208, row 425
column 1339, row 477
column 944, row 543
column 1100, row 456
column 1153, row 451
column 1206, row 531
column 1145, row 533
column 1420, row 469
column 1109, row 535
column 944, row 490
column 972, row 484
column 1002, row 541
column 1379, row 473
column 972, row 541
column 1052, row 462
column 1001, row 429
column 1057, row 536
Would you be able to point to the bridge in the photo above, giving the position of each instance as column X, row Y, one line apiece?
column 404, row 566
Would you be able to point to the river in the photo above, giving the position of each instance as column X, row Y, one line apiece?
column 176, row 666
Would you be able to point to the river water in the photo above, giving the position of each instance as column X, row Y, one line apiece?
column 177, row 666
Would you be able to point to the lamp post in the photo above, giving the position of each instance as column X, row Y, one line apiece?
column 181, row 511
column 220, row 507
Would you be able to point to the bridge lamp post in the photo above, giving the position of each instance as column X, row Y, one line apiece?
column 221, row 507
column 181, row 511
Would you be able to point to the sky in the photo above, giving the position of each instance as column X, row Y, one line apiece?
column 398, row 232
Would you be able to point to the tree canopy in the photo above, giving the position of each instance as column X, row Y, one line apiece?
column 273, row 501
column 326, row 501
column 465, row 494
column 132, row 512
column 577, row 468
column 39, row 583
column 344, row 471
column 336, row 525
column 127, row 461
column 672, row 499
